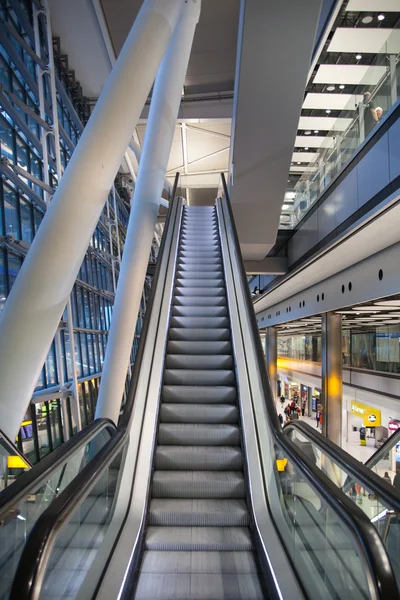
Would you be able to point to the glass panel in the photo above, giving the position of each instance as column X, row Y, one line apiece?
column 21, row 520
column 14, row 265
column 11, row 212
column 26, row 220
column 321, row 548
column 6, row 140
column 3, row 288
column 56, row 423
column 80, row 532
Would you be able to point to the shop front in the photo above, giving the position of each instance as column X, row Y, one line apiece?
column 364, row 425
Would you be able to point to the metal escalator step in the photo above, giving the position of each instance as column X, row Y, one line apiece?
column 186, row 282
column 199, row 301
column 198, row 484
column 202, row 322
column 199, row 348
column 199, row 311
column 198, row 513
column 195, row 260
column 199, row 236
column 223, row 414
column 186, row 434
column 205, row 268
column 199, row 291
column 198, row 458
column 198, row 361
column 209, row 229
column 199, row 377
column 200, row 254
column 223, row 539
column 199, row 335
column 175, row 586
column 196, row 274
column 198, row 562
column 188, row 394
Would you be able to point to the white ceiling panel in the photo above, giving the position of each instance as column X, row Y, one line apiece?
column 332, row 101
column 324, row 123
column 373, row 5
column 349, row 74
column 313, row 141
column 365, row 39
column 304, row 157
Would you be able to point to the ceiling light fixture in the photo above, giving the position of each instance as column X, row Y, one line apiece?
column 381, row 17
column 328, row 111
column 341, row 86
column 358, row 56
column 307, row 133
column 306, row 148
column 330, row 88
column 316, row 130
column 367, row 19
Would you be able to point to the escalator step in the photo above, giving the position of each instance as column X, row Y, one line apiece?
column 222, row 539
column 199, row 394
column 199, row 301
column 198, row 513
column 198, row 484
column 199, row 348
column 188, row 434
column 239, row 563
column 196, row 260
column 199, row 377
column 197, row 361
column 200, row 322
column 198, row 291
column 199, row 335
column 199, row 311
column 199, row 413
column 192, row 274
column 173, row 586
column 204, row 268
column 186, row 282
column 198, row 458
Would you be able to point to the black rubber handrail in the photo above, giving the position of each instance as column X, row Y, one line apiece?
column 386, row 447
column 37, row 549
column 371, row 548
column 31, row 480
column 373, row 483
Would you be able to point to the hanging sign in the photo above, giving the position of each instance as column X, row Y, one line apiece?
column 370, row 415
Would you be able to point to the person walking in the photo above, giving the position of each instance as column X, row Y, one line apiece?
column 280, row 419
column 386, row 477
column 303, row 408
column 317, row 418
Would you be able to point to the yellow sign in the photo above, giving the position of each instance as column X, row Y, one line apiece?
column 281, row 464
column 370, row 415
column 16, row 462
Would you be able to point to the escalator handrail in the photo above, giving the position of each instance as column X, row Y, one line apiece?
column 31, row 568
column 31, row 480
column 372, row 549
column 372, row 482
column 393, row 440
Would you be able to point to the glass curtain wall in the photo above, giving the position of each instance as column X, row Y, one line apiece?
column 25, row 189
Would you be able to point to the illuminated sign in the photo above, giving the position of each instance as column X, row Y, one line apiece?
column 393, row 425
column 370, row 415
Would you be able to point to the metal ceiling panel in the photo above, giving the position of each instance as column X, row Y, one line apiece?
column 365, row 40
column 332, row 101
column 313, row 141
column 324, row 123
column 373, row 6
column 349, row 74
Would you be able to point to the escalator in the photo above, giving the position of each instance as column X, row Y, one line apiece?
column 197, row 494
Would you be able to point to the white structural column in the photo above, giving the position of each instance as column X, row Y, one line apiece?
column 32, row 312
column 145, row 204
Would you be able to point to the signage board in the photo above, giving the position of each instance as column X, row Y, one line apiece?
column 370, row 415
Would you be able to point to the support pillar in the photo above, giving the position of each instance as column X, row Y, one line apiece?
column 271, row 357
column 331, row 397
column 145, row 204
column 32, row 312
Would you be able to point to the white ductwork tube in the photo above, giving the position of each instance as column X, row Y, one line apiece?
column 37, row 300
column 143, row 218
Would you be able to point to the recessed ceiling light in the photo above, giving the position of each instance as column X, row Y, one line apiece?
column 388, row 303
column 288, row 180
column 306, row 148
column 299, row 163
column 367, row 19
column 307, row 133
column 316, row 130
column 358, row 56
column 285, row 206
column 328, row 111
column 381, row 17
column 330, row 88
column 341, row 86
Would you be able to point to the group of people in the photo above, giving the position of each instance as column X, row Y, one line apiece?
column 292, row 410
column 372, row 114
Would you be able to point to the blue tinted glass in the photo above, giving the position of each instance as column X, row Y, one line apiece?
column 14, row 265
column 11, row 212
column 3, row 287
column 6, row 140
column 26, row 220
